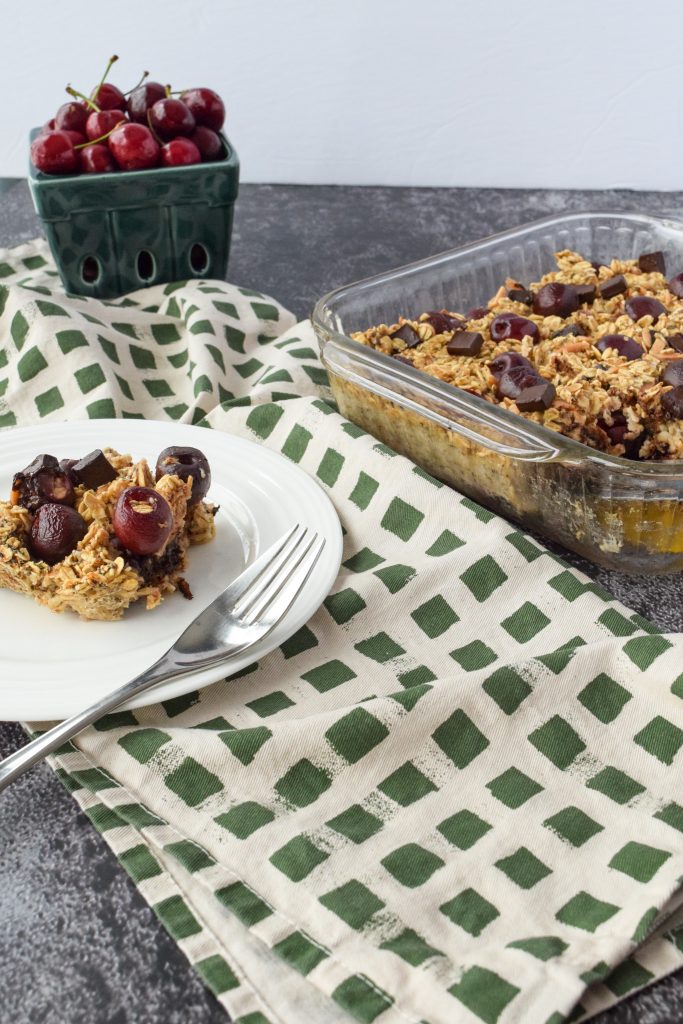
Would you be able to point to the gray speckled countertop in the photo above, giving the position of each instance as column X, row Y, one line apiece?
column 78, row 945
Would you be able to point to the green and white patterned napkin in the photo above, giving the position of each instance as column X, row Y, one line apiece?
column 455, row 795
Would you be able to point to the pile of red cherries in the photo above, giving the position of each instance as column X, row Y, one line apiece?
column 150, row 126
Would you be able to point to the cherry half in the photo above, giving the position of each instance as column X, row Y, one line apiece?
column 186, row 463
column 556, row 299
column 643, row 305
column 625, row 346
column 55, row 532
column 510, row 325
column 142, row 520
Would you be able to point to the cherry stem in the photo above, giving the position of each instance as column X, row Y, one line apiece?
column 151, row 127
column 92, row 142
column 144, row 76
column 112, row 60
column 168, row 91
column 81, row 96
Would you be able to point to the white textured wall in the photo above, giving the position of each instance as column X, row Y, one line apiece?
column 579, row 93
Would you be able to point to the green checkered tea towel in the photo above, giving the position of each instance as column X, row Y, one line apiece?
column 455, row 795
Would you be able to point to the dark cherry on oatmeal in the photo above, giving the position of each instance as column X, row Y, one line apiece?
column 509, row 325
column 55, row 532
column 142, row 520
column 188, row 464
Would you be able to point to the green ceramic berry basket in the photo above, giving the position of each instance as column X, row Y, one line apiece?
column 116, row 232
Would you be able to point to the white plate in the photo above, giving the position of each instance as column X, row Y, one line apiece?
column 53, row 665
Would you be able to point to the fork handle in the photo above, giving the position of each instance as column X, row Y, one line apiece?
column 19, row 762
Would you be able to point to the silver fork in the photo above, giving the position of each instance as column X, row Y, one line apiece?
column 245, row 612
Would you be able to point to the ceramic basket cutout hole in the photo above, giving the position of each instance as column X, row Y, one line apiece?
column 199, row 258
column 146, row 265
column 90, row 269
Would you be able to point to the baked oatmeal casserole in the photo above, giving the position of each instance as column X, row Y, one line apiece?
column 97, row 534
column 576, row 425
column 593, row 352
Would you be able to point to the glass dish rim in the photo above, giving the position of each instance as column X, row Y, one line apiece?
column 545, row 438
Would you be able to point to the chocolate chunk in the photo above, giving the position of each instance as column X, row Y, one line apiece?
column 42, row 482
column 651, row 262
column 402, row 359
column 673, row 373
column 585, row 293
column 520, row 294
column 596, row 266
column 93, row 470
column 570, row 330
column 408, row 334
column 465, row 343
column 613, row 286
column 625, row 346
column 675, row 341
column 443, row 322
column 536, row 398
column 672, row 403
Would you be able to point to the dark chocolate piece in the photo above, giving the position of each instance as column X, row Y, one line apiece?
column 651, row 262
column 596, row 266
column 536, row 398
column 42, row 482
column 402, row 359
column 465, row 343
column 672, row 403
column 613, row 286
column 93, row 470
column 585, row 293
column 407, row 334
column 675, row 341
column 617, row 429
column 570, row 330
column 520, row 294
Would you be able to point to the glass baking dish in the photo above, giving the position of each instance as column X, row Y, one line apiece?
column 618, row 513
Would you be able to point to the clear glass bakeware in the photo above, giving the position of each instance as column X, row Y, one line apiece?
column 617, row 513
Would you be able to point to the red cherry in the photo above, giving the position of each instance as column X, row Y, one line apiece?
column 207, row 142
column 54, row 153
column 77, row 138
column 49, row 126
column 509, row 325
column 179, row 152
column 142, row 98
column 170, row 117
column 108, row 97
column 96, row 159
column 134, row 147
column 72, row 117
column 206, row 106
column 101, row 122
column 142, row 520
